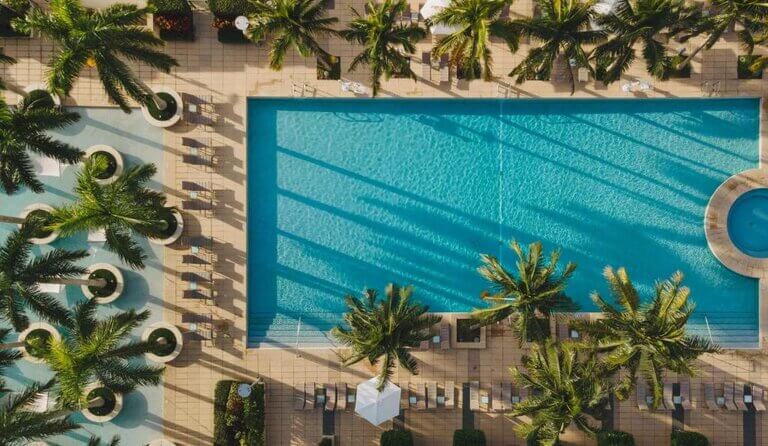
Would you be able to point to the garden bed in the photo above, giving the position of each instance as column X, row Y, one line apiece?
column 236, row 420
column 225, row 12
column 174, row 20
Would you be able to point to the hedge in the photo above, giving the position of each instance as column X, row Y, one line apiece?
column 236, row 421
column 171, row 6
column 688, row 438
column 468, row 437
column 229, row 9
column 396, row 438
column 614, row 438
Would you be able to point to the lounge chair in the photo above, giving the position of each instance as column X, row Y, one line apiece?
column 299, row 396
column 200, row 326
column 709, row 397
column 445, row 336
column 351, row 397
column 758, row 393
column 97, row 236
column 330, row 397
column 496, row 397
column 485, row 399
column 668, row 398
column 449, row 395
column 583, row 74
column 432, row 395
column 45, row 166
column 474, row 396
column 728, row 395
column 424, row 345
column 506, row 396
column 426, row 65
column 445, row 69
column 642, row 395
column 199, row 110
column 405, row 402
column 738, row 396
column 416, row 396
column 341, row 396
column 50, row 288
column 685, row 395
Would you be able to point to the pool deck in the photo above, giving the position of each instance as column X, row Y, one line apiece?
column 231, row 73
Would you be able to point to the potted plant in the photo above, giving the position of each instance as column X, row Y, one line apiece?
column 105, row 283
column 40, row 215
column 34, row 341
column 104, row 404
column 38, row 96
column 174, row 19
column 173, row 230
column 108, row 163
column 167, row 341
column 744, row 67
column 163, row 108
column 225, row 12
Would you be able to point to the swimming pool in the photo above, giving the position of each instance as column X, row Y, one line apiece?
column 346, row 194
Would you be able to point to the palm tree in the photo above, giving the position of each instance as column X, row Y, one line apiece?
column 23, row 129
column 751, row 15
column 387, row 328
column 6, row 60
column 20, row 276
column 563, row 390
column 8, row 354
column 100, row 39
column 563, row 30
column 96, row 441
column 93, row 350
column 20, row 426
column 646, row 339
column 122, row 208
column 532, row 295
column 476, row 21
column 383, row 38
column 291, row 23
column 645, row 23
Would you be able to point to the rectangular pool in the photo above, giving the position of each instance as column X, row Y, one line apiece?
column 347, row 194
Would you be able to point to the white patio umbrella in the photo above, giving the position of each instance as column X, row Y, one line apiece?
column 377, row 407
column 430, row 9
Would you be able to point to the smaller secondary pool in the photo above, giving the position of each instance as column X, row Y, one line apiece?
column 748, row 223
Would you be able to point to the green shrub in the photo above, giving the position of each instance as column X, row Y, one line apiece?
column 743, row 68
column 468, row 437
column 170, row 6
column 253, row 416
column 614, row 438
column 682, row 73
column 221, row 435
column 688, row 438
column 229, row 8
column 230, row 34
column 396, row 438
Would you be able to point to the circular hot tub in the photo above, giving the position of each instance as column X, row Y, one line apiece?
column 748, row 223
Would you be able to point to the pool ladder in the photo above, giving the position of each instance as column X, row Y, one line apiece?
column 298, row 331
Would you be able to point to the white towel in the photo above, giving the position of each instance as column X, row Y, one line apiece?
column 97, row 236
column 51, row 288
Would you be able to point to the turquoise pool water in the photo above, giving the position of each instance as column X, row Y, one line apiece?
column 142, row 417
column 748, row 223
column 346, row 194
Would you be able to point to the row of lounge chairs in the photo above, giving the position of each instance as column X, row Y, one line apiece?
column 432, row 395
column 734, row 397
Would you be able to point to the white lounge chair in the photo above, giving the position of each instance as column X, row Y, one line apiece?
column 45, row 166
column 50, row 288
column 97, row 236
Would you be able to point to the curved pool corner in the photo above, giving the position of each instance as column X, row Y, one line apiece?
column 732, row 223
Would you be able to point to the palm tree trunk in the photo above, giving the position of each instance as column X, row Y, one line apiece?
column 11, row 220
column 92, row 404
column 11, row 345
column 159, row 102
column 690, row 57
column 98, row 283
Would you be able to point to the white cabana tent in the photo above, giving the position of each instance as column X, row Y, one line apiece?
column 432, row 7
column 377, row 407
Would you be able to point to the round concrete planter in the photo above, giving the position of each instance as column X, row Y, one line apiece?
column 40, row 86
column 109, row 150
column 176, row 334
column 176, row 234
column 33, row 327
column 118, row 290
column 35, row 207
column 90, row 416
column 173, row 119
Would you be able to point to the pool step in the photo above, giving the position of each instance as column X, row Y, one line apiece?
column 730, row 330
column 266, row 330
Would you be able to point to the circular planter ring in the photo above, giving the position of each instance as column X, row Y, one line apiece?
column 176, row 234
column 32, row 327
column 176, row 333
column 118, row 290
column 36, row 207
column 115, row 154
column 90, row 416
column 40, row 86
column 176, row 116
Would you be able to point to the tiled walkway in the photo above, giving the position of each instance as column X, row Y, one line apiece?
column 233, row 72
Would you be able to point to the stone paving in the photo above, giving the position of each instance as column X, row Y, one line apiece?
column 231, row 73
